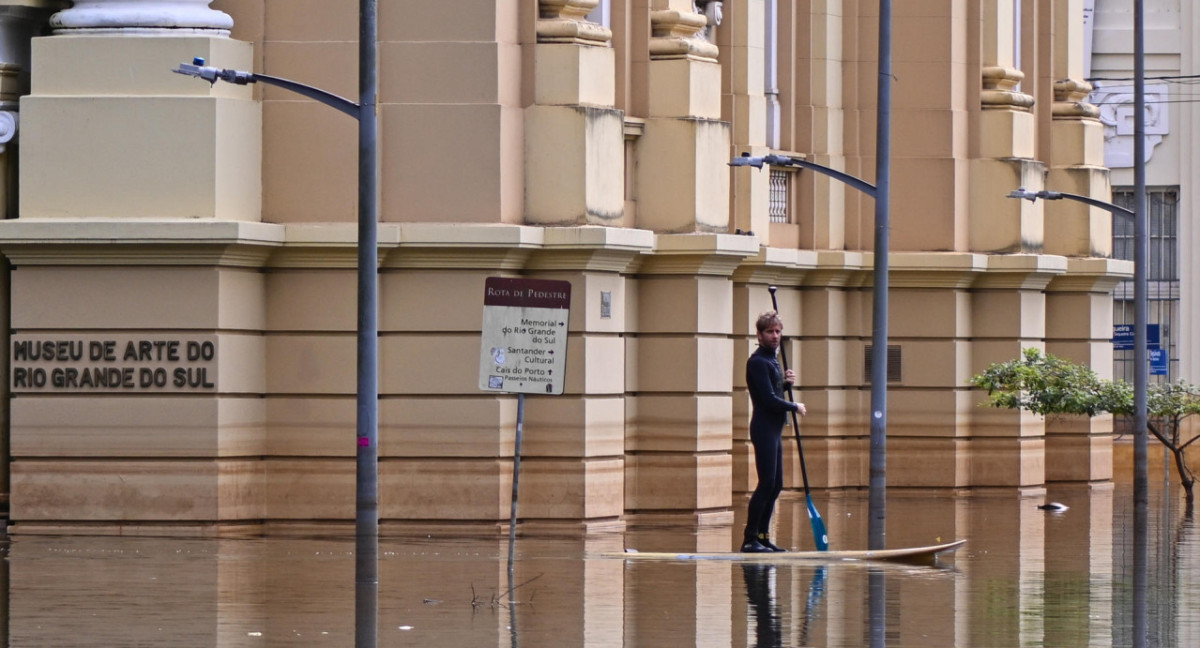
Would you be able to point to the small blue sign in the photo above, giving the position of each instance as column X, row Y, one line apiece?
column 1123, row 337
column 1158, row 362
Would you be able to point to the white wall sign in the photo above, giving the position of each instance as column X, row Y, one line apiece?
column 524, row 341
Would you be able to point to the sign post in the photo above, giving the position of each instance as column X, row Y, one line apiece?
column 523, row 349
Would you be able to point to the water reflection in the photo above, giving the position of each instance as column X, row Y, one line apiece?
column 1025, row 578
column 763, row 605
column 760, row 593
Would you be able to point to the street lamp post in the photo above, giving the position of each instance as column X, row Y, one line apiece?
column 1141, row 368
column 367, row 392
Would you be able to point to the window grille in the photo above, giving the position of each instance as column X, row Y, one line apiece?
column 780, row 205
column 1162, row 275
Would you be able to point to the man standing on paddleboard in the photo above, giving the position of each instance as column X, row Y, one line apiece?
column 765, row 380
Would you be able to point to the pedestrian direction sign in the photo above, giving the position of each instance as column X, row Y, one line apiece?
column 524, row 337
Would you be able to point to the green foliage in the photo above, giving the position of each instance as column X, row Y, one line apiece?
column 1047, row 384
column 1176, row 400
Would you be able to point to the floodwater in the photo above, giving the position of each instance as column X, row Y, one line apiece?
column 1025, row 578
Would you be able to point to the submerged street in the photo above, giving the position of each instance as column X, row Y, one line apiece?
column 1026, row 577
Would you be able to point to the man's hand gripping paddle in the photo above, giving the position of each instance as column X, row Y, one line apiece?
column 820, row 536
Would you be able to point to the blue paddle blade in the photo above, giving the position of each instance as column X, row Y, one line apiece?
column 820, row 535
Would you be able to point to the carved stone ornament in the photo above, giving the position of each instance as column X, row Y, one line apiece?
column 1117, row 110
column 155, row 16
column 676, row 34
column 8, row 128
column 1070, row 100
column 1000, row 89
column 714, row 13
column 565, row 21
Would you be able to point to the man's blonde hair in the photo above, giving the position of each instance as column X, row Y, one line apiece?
column 767, row 320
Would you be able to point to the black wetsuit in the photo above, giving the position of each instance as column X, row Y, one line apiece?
column 764, row 379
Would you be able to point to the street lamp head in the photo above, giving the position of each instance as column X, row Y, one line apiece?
column 745, row 159
column 757, row 162
column 1022, row 192
column 1032, row 196
column 197, row 68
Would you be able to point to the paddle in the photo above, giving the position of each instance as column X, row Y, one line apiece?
column 820, row 536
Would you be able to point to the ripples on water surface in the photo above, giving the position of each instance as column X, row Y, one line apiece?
column 1025, row 578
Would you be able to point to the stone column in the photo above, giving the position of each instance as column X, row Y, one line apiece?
column 1076, row 159
column 678, row 435
column 1007, row 129
column 575, row 442
column 1079, row 327
column 683, row 180
column 138, row 245
column 103, row 85
column 19, row 23
column 931, row 405
column 1008, row 314
column 1077, row 449
column 574, row 136
column 743, row 52
column 835, row 309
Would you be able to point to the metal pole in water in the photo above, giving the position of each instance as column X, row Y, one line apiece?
column 366, row 574
column 877, row 496
column 1141, row 470
column 516, row 478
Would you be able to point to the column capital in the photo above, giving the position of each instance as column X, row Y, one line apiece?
column 1000, row 89
column 141, row 16
column 565, row 21
column 677, row 34
column 1070, row 99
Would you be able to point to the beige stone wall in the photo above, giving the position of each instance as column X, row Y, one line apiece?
column 520, row 139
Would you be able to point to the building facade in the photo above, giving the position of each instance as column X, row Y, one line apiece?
column 182, row 285
column 1171, row 59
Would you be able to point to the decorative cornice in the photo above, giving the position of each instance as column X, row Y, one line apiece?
column 326, row 245
column 1020, row 271
column 772, row 265
column 1092, row 274
column 138, row 242
column 463, row 246
column 840, row 269
column 952, row 270
column 701, row 253
column 603, row 249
